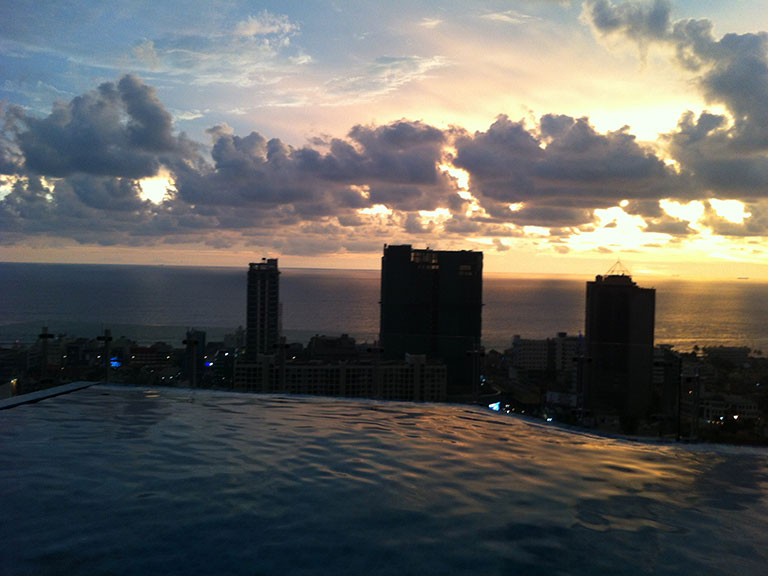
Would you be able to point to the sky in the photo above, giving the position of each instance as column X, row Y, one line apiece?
column 556, row 136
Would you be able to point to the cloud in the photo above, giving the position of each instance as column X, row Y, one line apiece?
column 119, row 130
column 382, row 76
column 266, row 24
column 146, row 53
column 11, row 158
column 500, row 246
column 669, row 225
column 109, row 194
column 561, row 172
column 726, row 155
column 732, row 71
column 75, row 174
column 735, row 73
column 640, row 21
column 430, row 23
column 509, row 17
column 257, row 51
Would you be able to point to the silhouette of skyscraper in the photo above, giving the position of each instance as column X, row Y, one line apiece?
column 619, row 334
column 263, row 308
column 194, row 357
column 431, row 303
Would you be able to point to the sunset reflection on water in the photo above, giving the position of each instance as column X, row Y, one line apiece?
column 241, row 483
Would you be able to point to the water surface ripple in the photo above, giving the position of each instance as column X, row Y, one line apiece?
column 114, row 480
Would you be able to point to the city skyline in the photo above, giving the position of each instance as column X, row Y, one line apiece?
column 553, row 136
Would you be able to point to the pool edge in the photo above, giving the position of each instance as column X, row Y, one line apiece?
column 43, row 394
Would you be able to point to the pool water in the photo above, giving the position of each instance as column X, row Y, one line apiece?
column 123, row 480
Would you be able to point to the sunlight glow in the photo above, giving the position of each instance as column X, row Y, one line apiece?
column 6, row 185
column 647, row 117
column 536, row 231
column 462, row 181
column 157, row 188
column 438, row 216
column 364, row 190
column 615, row 230
column 461, row 176
column 376, row 210
column 516, row 206
column 731, row 210
column 473, row 205
column 485, row 241
column 692, row 212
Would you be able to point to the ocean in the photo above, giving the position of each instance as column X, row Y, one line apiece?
column 151, row 303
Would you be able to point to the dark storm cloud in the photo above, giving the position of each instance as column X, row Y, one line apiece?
column 462, row 225
column 755, row 225
column 11, row 158
column 706, row 146
column 561, row 172
column 109, row 194
column 549, row 215
column 405, row 197
column 149, row 124
column 246, row 170
column 414, row 225
column 668, row 225
column 578, row 153
column 398, row 162
column 119, row 130
column 726, row 155
column 734, row 72
column 32, row 208
column 640, row 21
column 506, row 148
column 405, row 152
column 649, row 208
column 75, row 173
column 27, row 201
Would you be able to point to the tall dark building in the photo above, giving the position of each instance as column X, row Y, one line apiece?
column 263, row 308
column 194, row 357
column 619, row 335
column 431, row 303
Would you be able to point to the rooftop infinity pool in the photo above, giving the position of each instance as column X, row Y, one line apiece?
column 121, row 480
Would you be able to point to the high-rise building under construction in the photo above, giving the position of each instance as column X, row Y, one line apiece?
column 431, row 304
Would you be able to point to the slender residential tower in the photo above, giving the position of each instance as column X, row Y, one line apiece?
column 263, row 308
column 619, row 333
column 431, row 303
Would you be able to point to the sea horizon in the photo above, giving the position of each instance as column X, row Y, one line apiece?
column 486, row 273
column 148, row 303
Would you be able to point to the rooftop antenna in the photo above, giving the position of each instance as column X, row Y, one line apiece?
column 618, row 269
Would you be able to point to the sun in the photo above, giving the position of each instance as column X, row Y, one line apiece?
column 157, row 188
